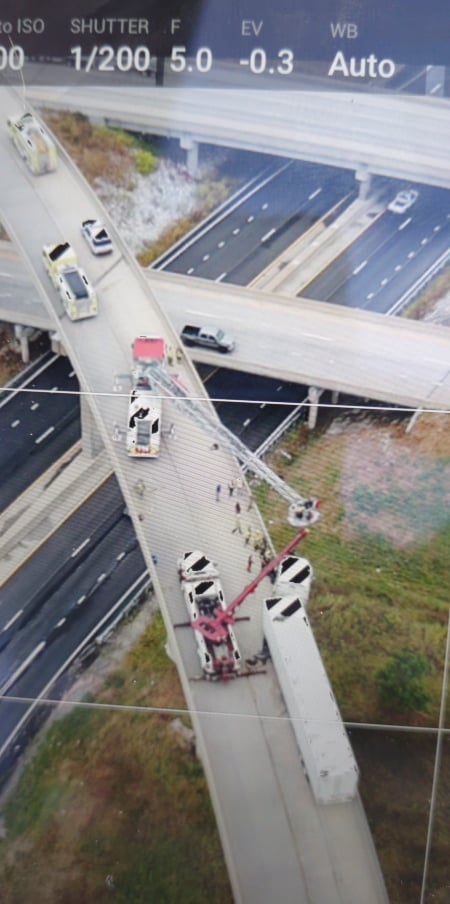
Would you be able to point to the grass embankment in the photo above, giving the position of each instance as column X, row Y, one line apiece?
column 102, row 153
column 112, row 794
column 380, row 555
column 430, row 297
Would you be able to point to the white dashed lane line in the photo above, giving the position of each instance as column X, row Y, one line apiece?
column 359, row 268
column 12, row 620
column 80, row 547
column 44, row 435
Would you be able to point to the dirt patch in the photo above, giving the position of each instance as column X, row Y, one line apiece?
column 396, row 485
column 10, row 360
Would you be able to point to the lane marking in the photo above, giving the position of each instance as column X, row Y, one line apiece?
column 221, row 277
column 34, row 405
column 314, row 194
column 22, row 668
column 15, row 423
column 61, row 622
column 268, row 235
column 44, row 435
column 81, row 600
column 191, row 270
column 317, row 336
column 359, row 268
column 12, row 620
column 80, row 547
column 404, row 224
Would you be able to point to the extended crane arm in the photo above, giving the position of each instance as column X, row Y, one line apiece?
column 301, row 511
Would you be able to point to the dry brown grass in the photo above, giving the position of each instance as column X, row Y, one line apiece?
column 111, row 793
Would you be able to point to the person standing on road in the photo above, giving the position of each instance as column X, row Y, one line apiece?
column 218, row 492
column 249, row 563
column 237, row 529
column 237, row 508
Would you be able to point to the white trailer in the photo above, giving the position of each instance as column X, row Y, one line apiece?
column 324, row 746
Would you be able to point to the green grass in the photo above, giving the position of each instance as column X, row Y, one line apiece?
column 370, row 597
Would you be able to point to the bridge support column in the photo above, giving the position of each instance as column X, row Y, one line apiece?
column 334, row 397
column 189, row 145
column 365, row 180
column 314, row 394
column 56, row 344
column 91, row 440
column 23, row 333
column 413, row 420
column 435, row 80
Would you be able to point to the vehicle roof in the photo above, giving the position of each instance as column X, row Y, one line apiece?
column 148, row 348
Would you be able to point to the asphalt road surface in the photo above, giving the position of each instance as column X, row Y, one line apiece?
column 278, row 210
column 51, row 604
column 377, row 269
column 37, row 426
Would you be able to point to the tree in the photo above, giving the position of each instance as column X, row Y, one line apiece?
column 401, row 682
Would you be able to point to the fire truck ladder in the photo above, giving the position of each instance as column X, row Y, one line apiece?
column 302, row 512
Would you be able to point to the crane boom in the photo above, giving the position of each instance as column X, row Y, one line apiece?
column 301, row 510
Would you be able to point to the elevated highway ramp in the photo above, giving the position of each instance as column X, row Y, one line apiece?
column 392, row 360
column 402, row 137
column 277, row 843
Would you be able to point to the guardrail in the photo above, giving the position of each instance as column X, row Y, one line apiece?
column 420, row 284
column 279, row 432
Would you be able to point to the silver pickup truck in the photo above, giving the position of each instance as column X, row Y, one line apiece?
column 207, row 337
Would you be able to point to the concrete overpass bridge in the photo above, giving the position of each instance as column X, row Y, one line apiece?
column 277, row 842
column 390, row 360
column 402, row 137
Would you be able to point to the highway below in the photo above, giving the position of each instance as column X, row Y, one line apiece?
column 55, row 601
column 231, row 721
column 279, row 208
column 379, row 267
column 37, row 426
